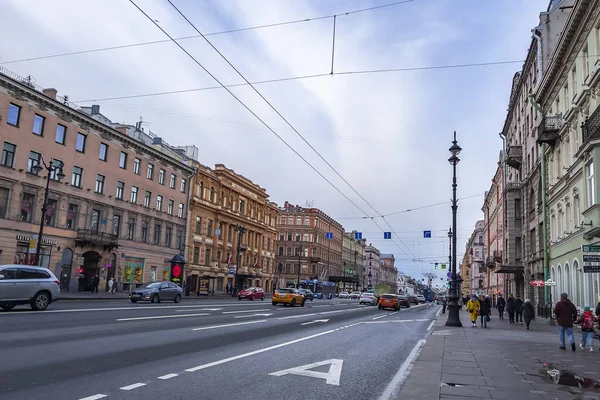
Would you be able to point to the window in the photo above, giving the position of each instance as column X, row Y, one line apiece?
column 61, row 133
column 56, row 167
column 201, row 190
column 198, row 229
column 288, row 251
column 157, row 230
column 150, row 172
column 170, row 207
column 34, row 159
column 120, row 189
column 103, row 151
column 14, row 112
column 206, row 256
column 183, row 185
column 80, row 144
column 123, row 160
column 590, row 184
column 196, row 255
column 147, row 198
column 38, row 125
column 100, row 184
column 209, row 228
column 95, row 220
column 144, row 231
column 212, row 195
column 178, row 239
column 116, row 225
column 168, row 235
column 161, row 176
column 3, row 202
column 8, row 154
column 220, row 231
column 281, row 251
column 242, row 206
column 134, row 194
column 159, row 202
column 306, row 221
column 131, row 228
column 136, row 166
column 72, row 213
column 76, row 176
column 172, row 182
column 180, row 211
column 27, row 206
column 51, row 209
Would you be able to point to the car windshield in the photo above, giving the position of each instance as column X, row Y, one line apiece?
column 402, row 297
column 153, row 285
column 388, row 296
column 284, row 291
column 250, row 289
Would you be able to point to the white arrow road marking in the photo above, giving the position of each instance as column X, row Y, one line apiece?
column 253, row 315
column 298, row 316
column 227, row 325
column 161, row 317
column 391, row 391
column 246, row 311
column 332, row 377
column 315, row 321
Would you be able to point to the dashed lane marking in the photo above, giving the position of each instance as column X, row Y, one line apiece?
column 380, row 316
column 245, row 311
column 203, row 328
column 94, row 397
column 133, row 386
column 168, row 376
column 430, row 326
column 298, row 316
column 161, row 317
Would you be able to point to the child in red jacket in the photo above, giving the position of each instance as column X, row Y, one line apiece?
column 587, row 320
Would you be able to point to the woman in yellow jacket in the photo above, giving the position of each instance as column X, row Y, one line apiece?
column 472, row 308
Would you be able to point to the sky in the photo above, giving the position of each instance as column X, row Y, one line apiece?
column 386, row 133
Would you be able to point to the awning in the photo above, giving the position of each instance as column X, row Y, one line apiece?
column 510, row 269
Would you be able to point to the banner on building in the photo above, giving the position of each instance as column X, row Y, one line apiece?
column 133, row 269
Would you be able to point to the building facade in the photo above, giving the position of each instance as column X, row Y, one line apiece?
column 372, row 271
column 309, row 246
column 221, row 203
column 353, row 260
column 389, row 272
column 115, row 206
column 569, row 133
column 474, row 276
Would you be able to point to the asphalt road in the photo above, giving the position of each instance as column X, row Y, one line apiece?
column 211, row 349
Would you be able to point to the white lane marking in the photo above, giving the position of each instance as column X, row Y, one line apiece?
column 259, row 351
column 430, row 326
column 161, row 317
column 139, row 307
column 199, row 309
column 253, row 315
column 315, row 321
column 392, row 389
column 438, row 312
column 381, row 316
column 94, row 397
column 332, row 377
column 298, row 316
column 322, row 305
column 245, row 311
column 227, row 325
column 395, row 312
column 388, row 321
column 133, row 386
column 168, row 376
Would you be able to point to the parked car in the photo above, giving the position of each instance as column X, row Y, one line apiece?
column 343, row 295
column 389, row 301
column 412, row 299
column 404, row 301
column 288, row 296
column 420, row 298
column 24, row 284
column 368, row 298
column 252, row 293
column 354, row 295
column 157, row 292
column 308, row 294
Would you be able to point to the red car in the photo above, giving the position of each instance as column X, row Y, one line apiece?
column 252, row 293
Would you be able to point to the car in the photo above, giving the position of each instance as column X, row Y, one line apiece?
column 157, row 292
column 412, row 299
column 252, row 293
column 420, row 298
column 389, row 301
column 440, row 300
column 25, row 284
column 344, row 295
column 404, row 301
column 368, row 298
column 288, row 296
column 354, row 295
column 308, row 294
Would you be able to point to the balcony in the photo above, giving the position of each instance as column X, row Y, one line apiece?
column 549, row 128
column 513, row 186
column 497, row 256
column 490, row 263
column 514, row 156
column 591, row 127
column 90, row 237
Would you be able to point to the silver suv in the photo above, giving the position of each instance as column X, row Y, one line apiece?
column 24, row 284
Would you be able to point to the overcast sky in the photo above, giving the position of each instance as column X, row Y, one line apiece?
column 387, row 134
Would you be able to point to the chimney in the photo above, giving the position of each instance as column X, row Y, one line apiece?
column 50, row 92
column 122, row 129
column 95, row 109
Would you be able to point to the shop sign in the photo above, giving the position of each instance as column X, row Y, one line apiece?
column 166, row 273
column 203, row 286
column 133, row 269
column 28, row 239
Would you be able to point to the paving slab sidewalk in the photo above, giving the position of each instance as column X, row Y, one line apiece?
column 502, row 362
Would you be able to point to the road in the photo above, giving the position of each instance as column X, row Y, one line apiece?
column 208, row 349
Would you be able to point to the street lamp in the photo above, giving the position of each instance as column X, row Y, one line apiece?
column 236, row 286
column 453, row 307
column 57, row 170
column 300, row 250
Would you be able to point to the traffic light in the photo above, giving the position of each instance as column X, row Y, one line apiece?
column 436, row 265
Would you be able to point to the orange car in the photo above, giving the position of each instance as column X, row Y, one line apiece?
column 288, row 296
column 389, row 301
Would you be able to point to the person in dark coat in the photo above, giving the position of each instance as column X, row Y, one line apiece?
column 500, row 305
column 484, row 310
column 566, row 314
column 510, row 309
column 528, row 312
column 518, row 306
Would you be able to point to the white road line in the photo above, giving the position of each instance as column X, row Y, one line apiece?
column 381, row 316
column 430, row 326
column 297, row 316
column 395, row 312
column 199, row 309
column 168, row 376
column 253, row 315
column 252, row 353
column 322, row 305
column 389, row 321
column 438, row 313
column 94, row 397
column 246, row 311
column 227, row 325
column 392, row 389
column 134, row 386
column 161, row 317
column 140, row 307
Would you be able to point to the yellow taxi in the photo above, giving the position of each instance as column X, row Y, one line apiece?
column 288, row 296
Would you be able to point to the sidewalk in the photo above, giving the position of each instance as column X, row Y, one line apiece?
column 502, row 362
column 125, row 296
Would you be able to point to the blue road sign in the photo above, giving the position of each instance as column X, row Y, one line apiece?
column 329, row 235
column 387, row 235
column 358, row 235
column 427, row 234
column 231, row 270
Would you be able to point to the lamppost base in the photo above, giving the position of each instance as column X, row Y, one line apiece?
column 453, row 315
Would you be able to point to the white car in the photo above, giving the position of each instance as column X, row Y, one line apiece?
column 368, row 298
column 26, row 284
column 343, row 295
column 420, row 298
column 354, row 295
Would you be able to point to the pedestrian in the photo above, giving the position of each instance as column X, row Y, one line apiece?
column 587, row 320
column 484, row 310
column 528, row 312
column 566, row 314
column 472, row 308
column 111, row 283
column 518, row 307
column 96, row 284
column 510, row 309
column 500, row 305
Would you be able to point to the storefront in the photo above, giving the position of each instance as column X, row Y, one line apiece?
column 26, row 248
